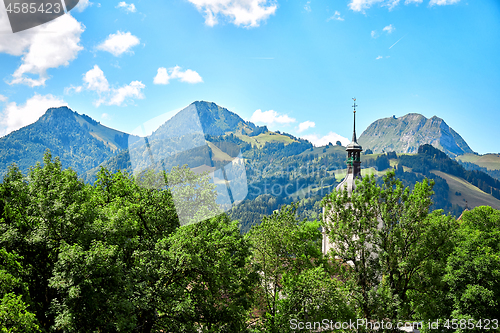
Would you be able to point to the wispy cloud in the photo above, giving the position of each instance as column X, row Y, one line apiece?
column 245, row 13
column 336, row 16
column 373, row 34
column 82, row 4
column 270, row 117
column 129, row 91
column 389, row 29
column 307, row 6
column 392, row 3
column 306, row 125
column 397, row 42
column 129, row 8
column 363, row 5
column 119, row 43
column 442, row 2
column 95, row 80
column 331, row 137
column 379, row 57
column 163, row 76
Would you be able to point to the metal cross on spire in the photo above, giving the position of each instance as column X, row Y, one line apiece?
column 354, row 127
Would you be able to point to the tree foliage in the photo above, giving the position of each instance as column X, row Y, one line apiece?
column 295, row 281
column 111, row 257
column 390, row 244
column 473, row 269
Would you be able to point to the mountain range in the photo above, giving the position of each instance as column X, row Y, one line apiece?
column 84, row 144
column 207, row 137
column 405, row 134
column 79, row 141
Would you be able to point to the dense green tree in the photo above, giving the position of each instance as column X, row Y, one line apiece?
column 112, row 257
column 15, row 314
column 473, row 269
column 41, row 212
column 391, row 245
column 206, row 278
column 296, row 283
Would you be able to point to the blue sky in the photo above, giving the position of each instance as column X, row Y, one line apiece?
column 293, row 65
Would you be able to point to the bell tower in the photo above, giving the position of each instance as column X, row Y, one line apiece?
column 354, row 150
column 348, row 184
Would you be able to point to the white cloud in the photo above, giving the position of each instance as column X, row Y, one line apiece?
column 392, row 3
column 307, row 6
column 105, row 116
column 336, row 16
column 379, row 57
column 373, row 34
column 82, row 4
column 16, row 116
column 163, row 76
column 246, row 13
column 130, row 91
column 69, row 90
column 306, row 125
column 270, row 117
column 128, row 8
column 3, row 98
column 96, row 80
column 361, row 5
column 442, row 2
column 49, row 45
column 324, row 140
column 389, row 28
column 119, row 43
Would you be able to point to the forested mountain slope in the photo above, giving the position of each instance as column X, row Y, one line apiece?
column 79, row 141
column 280, row 168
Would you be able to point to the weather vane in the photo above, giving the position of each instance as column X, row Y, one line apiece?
column 354, row 106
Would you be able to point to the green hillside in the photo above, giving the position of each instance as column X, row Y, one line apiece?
column 260, row 140
column 462, row 192
column 280, row 168
column 488, row 161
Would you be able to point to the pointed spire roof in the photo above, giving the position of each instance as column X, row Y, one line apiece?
column 353, row 170
column 354, row 145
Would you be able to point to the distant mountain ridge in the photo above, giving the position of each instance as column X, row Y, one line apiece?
column 186, row 138
column 84, row 144
column 405, row 134
column 213, row 119
column 280, row 168
column 79, row 141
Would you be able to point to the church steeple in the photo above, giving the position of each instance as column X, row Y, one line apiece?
column 354, row 150
column 354, row 127
column 348, row 184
